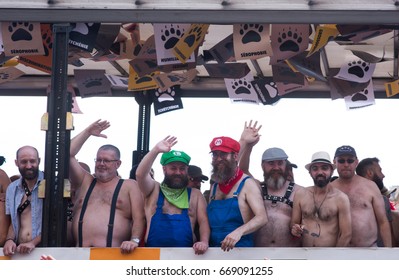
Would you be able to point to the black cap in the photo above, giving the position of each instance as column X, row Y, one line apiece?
column 196, row 172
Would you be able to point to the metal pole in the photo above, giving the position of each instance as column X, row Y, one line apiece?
column 57, row 143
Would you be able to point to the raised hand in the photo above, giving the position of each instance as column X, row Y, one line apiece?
column 166, row 144
column 250, row 134
column 97, row 127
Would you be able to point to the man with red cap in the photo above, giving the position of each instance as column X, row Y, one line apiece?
column 235, row 209
column 172, row 209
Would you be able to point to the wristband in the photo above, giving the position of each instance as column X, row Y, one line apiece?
column 135, row 240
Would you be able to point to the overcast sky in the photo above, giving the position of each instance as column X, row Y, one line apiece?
column 299, row 126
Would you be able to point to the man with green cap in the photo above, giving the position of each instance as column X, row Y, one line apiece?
column 172, row 209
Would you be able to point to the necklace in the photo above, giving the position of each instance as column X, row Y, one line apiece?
column 317, row 209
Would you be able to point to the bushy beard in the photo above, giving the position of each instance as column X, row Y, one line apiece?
column 176, row 181
column 29, row 174
column 378, row 181
column 273, row 181
column 321, row 181
column 223, row 170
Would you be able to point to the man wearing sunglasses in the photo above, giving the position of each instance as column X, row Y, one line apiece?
column 108, row 211
column 367, row 204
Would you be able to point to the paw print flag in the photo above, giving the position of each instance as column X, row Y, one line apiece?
column 340, row 88
column 190, row 41
column 92, row 83
column 22, row 38
column 84, row 35
column 166, row 37
column 42, row 62
column 362, row 98
column 357, row 70
column 166, row 100
column 288, row 40
column 267, row 91
column 242, row 90
column 140, row 83
column 251, row 41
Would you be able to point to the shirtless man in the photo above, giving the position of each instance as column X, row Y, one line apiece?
column 370, row 168
column 321, row 214
column 235, row 208
column 277, row 190
column 4, row 219
column 172, row 209
column 367, row 204
column 24, row 205
column 104, row 198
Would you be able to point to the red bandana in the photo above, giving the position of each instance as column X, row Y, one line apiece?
column 226, row 188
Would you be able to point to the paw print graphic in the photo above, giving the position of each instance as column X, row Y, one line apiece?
column 272, row 89
column 251, row 33
column 171, row 35
column 194, row 35
column 144, row 79
column 166, row 95
column 241, row 86
column 93, row 82
column 82, row 28
column 358, row 68
column 360, row 96
column 21, row 31
column 175, row 79
column 289, row 40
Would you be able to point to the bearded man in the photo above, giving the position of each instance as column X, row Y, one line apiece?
column 172, row 209
column 321, row 214
column 277, row 190
column 23, row 204
column 235, row 209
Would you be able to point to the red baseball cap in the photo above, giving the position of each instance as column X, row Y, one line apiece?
column 224, row 144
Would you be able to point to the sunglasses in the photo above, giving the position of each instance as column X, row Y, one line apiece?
column 349, row 160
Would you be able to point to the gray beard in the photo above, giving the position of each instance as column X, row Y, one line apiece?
column 275, row 184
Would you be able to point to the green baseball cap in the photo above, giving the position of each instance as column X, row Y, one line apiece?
column 173, row 156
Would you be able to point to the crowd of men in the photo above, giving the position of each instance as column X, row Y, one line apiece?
column 351, row 210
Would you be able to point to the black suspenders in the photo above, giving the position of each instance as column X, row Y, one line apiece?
column 111, row 216
column 112, row 213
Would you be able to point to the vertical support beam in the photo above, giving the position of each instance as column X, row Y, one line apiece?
column 395, row 54
column 57, row 143
column 144, row 122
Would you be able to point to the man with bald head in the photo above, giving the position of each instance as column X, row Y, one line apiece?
column 24, row 205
